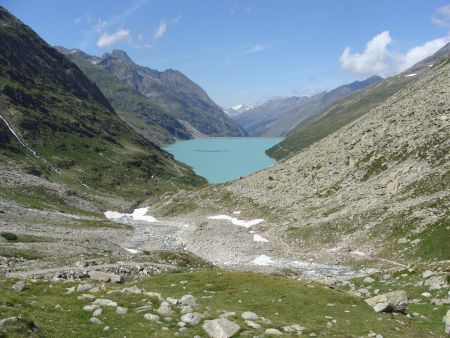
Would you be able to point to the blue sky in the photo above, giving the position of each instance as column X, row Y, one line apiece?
column 245, row 51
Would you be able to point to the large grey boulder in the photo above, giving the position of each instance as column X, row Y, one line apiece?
column 105, row 277
column 192, row 318
column 19, row 286
column 394, row 301
column 247, row 315
column 188, row 300
column 436, row 282
column 164, row 309
column 220, row 328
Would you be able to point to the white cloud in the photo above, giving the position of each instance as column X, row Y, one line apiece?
column 77, row 21
column 162, row 27
column 442, row 16
column 256, row 49
column 373, row 60
column 378, row 59
column 107, row 40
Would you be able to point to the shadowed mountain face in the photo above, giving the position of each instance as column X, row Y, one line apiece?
column 350, row 108
column 66, row 122
column 278, row 117
column 177, row 94
column 145, row 116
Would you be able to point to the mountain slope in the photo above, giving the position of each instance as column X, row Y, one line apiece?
column 146, row 117
column 278, row 116
column 376, row 188
column 238, row 109
column 177, row 94
column 64, row 126
column 350, row 108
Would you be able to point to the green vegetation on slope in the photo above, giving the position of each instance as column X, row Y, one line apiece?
column 318, row 308
column 65, row 118
column 146, row 117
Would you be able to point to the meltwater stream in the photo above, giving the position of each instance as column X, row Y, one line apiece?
column 223, row 159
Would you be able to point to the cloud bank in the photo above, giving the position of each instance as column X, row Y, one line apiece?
column 377, row 58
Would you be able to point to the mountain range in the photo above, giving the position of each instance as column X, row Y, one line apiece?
column 277, row 117
column 57, row 123
column 238, row 109
column 165, row 106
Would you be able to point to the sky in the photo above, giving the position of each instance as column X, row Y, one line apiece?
column 250, row 50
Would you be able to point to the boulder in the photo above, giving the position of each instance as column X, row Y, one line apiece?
column 394, row 301
column 121, row 310
column 368, row 280
column 105, row 277
column 220, row 328
column 188, row 300
column 186, row 309
column 151, row 317
column 427, row 273
column 192, row 318
column 85, row 287
column 247, row 315
column 90, row 307
column 97, row 312
column 95, row 320
column 273, row 332
column 19, row 286
column 436, row 282
column 164, row 309
column 155, row 295
column 294, row 328
column 104, row 302
column 447, row 322
column 252, row 324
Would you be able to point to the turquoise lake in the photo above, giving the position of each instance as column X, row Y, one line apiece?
column 220, row 159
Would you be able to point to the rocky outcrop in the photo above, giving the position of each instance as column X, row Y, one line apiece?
column 394, row 301
column 384, row 173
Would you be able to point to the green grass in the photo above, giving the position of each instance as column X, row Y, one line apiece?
column 283, row 301
column 41, row 200
column 407, row 279
column 12, row 237
column 28, row 254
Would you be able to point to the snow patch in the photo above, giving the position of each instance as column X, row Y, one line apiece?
column 237, row 212
column 410, row 75
column 263, row 260
column 235, row 221
column 358, row 253
column 137, row 215
column 258, row 238
column 133, row 251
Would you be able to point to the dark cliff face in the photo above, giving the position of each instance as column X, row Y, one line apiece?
column 65, row 117
column 182, row 98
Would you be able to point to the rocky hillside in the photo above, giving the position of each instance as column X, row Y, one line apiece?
column 141, row 113
column 277, row 117
column 56, row 123
column 348, row 109
column 180, row 97
column 377, row 187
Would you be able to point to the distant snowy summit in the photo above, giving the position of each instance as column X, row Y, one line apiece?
column 238, row 109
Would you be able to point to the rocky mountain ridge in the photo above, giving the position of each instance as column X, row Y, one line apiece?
column 377, row 186
column 182, row 98
column 277, row 117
